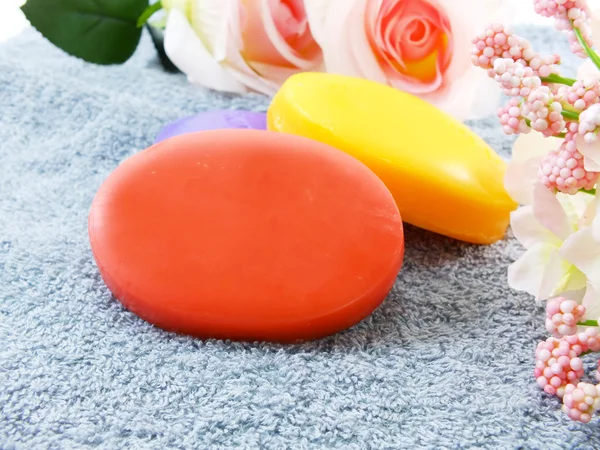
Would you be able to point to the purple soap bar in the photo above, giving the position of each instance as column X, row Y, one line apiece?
column 214, row 120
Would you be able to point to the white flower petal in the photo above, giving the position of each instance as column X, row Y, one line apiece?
column 576, row 207
column 522, row 171
column 573, row 279
column 587, row 69
column 590, row 212
column 595, row 19
column 590, row 152
column 528, row 230
column 528, row 272
column 210, row 18
column 501, row 11
column 596, row 221
column 549, row 212
column 559, row 276
column 576, row 295
column 583, row 251
column 591, row 301
column 188, row 53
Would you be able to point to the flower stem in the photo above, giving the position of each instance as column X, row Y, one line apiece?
column 591, row 53
column 554, row 78
column 589, row 191
column 572, row 115
column 588, row 323
column 149, row 12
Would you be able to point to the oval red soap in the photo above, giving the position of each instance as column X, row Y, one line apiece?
column 246, row 235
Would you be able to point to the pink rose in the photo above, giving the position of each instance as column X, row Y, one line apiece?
column 240, row 45
column 419, row 46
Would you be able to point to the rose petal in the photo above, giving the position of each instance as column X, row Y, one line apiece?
column 528, row 272
column 549, row 212
column 470, row 96
column 346, row 48
column 255, row 43
column 466, row 17
column 396, row 51
column 317, row 11
column 482, row 96
column 528, row 231
column 235, row 64
column 301, row 61
column 465, row 86
column 188, row 53
column 239, row 69
column 420, row 14
column 583, row 251
column 276, row 74
column 521, row 173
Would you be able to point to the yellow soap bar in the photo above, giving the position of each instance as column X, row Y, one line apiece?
column 443, row 177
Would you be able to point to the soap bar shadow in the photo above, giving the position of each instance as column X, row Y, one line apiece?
column 399, row 320
column 158, row 40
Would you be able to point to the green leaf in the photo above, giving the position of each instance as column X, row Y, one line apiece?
column 98, row 31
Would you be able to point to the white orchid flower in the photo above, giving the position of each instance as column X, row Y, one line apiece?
column 522, row 171
column 582, row 248
column 542, row 229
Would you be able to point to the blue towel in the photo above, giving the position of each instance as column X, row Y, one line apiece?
column 445, row 363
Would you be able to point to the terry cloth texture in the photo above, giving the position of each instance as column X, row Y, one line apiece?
column 445, row 363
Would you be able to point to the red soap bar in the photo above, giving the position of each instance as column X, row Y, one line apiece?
column 246, row 235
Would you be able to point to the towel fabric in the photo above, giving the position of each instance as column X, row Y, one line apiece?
column 445, row 363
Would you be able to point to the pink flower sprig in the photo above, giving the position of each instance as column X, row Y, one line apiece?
column 581, row 401
column 532, row 106
column 558, row 362
column 511, row 118
column 534, row 79
column 569, row 110
column 516, row 79
column 562, row 316
column 572, row 17
column 544, row 111
column 581, row 95
column 563, row 170
column 589, row 124
column 498, row 41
